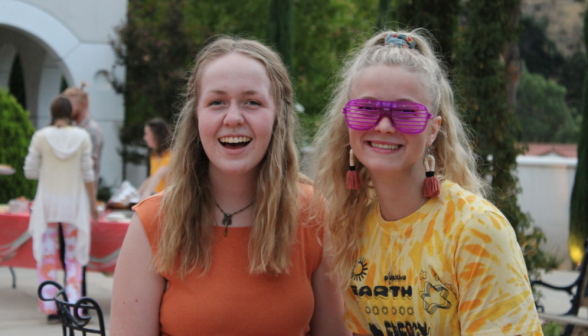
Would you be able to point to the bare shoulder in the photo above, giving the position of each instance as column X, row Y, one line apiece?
column 137, row 288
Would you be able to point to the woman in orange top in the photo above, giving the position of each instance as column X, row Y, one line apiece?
column 228, row 248
column 158, row 138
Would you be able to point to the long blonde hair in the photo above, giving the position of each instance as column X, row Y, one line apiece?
column 188, row 207
column 455, row 160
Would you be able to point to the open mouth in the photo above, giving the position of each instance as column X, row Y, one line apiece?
column 384, row 146
column 234, row 142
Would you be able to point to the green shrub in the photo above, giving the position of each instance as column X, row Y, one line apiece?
column 540, row 53
column 551, row 329
column 543, row 111
column 573, row 74
column 15, row 135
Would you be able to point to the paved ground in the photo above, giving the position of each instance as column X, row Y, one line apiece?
column 19, row 315
column 18, row 307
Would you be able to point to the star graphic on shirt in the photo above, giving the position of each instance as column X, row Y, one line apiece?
column 423, row 275
column 434, row 297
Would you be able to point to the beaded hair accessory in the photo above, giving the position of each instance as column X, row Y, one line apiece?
column 400, row 40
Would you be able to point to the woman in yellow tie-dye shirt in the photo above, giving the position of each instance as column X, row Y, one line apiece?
column 418, row 258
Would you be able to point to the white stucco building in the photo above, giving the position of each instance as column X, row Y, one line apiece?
column 546, row 175
column 69, row 39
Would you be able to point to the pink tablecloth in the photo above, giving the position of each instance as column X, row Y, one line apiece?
column 16, row 245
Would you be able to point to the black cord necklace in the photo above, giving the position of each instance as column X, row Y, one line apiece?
column 228, row 217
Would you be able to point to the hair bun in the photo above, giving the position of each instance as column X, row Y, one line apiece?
column 400, row 40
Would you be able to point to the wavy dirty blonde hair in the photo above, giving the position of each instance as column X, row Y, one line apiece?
column 188, row 206
column 454, row 158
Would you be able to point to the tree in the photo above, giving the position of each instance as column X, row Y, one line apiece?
column 155, row 48
column 15, row 136
column 543, row 112
column 440, row 17
column 512, row 59
column 573, row 73
column 280, row 30
column 540, row 54
column 383, row 14
column 579, row 202
column 326, row 30
column 483, row 86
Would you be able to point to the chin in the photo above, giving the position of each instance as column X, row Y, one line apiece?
column 382, row 167
column 236, row 169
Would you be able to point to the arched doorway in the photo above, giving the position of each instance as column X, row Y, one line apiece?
column 66, row 40
column 42, row 70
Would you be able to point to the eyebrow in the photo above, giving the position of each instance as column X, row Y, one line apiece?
column 248, row 92
column 402, row 99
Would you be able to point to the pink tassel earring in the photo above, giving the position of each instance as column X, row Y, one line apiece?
column 431, row 186
column 352, row 177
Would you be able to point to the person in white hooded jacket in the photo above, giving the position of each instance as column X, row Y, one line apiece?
column 60, row 158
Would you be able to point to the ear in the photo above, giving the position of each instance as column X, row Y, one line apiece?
column 435, row 126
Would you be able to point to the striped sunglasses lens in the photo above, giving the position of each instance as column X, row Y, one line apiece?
column 407, row 117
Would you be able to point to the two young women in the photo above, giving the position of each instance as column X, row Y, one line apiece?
column 438, row 260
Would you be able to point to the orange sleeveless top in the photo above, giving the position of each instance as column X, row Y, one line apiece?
column 230, row 301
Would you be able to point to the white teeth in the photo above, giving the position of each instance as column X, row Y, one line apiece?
column 234, row 139
column 383, row 146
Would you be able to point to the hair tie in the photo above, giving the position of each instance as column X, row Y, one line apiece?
column 400, row 40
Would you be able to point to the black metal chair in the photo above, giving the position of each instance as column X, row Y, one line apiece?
column 71, row 322
column 579, row 298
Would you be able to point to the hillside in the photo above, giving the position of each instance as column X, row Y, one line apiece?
column 565, row 21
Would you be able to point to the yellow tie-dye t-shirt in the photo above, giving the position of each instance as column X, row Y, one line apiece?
column 454, row 267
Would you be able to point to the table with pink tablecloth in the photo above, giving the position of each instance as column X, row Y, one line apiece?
column 16, row 245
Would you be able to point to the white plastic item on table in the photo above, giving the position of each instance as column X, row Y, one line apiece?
column 18, row 206
column 126, row 194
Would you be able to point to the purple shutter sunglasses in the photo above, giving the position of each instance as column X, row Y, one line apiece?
column 407, row 117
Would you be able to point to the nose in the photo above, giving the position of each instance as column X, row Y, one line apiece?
column 385, row 125
column 234, row 116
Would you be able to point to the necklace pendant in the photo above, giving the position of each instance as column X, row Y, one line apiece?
column 227, row 220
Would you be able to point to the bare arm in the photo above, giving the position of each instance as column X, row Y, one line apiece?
column 137, row 290
column 90, row 189
column 151, row 183
column 143, row 186
column 328, row 302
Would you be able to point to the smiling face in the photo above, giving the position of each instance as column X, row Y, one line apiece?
column 236, row 113
column 383, row 149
